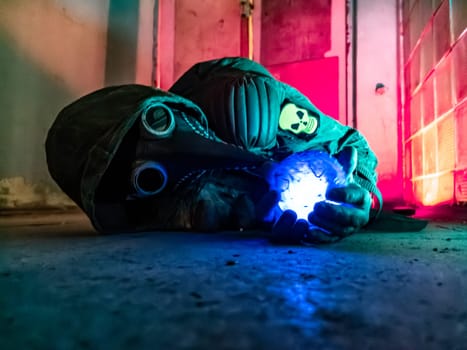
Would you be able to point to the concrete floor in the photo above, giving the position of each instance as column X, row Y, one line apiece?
column 62, row 286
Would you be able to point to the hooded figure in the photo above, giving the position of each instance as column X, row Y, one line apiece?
column 202, row 165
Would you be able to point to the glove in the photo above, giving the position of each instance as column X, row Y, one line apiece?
column 345, row 210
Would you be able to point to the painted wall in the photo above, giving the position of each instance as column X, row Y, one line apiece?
column 304, row 43
column 51, row 53
column 295, row 31
column 194, row 31
column 377, row 114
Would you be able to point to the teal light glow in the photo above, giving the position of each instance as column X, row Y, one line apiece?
column 302, row 180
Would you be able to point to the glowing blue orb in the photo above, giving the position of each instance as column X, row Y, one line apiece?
column 302, row 180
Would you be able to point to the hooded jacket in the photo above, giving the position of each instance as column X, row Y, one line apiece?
column 93, row 142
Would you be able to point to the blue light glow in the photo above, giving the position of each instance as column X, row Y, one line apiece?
column 303, row 178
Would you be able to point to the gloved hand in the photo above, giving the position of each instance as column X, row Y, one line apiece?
column 345, row 210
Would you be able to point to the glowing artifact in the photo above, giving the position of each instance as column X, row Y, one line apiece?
column 302, row 180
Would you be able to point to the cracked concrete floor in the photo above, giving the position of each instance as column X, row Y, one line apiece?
column 62, row 286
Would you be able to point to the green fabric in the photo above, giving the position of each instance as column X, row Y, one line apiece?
column 92, row 143
column 232, row 94
column 84, row 139
column 205, row 82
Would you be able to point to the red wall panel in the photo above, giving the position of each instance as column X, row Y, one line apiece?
column 316, row 79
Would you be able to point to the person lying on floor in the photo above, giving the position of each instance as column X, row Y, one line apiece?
column 219, row 151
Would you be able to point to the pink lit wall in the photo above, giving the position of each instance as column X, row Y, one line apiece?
column 434, row 65
column 304, row 44
column 194, row 31
column 304, row 75
column 377, row 114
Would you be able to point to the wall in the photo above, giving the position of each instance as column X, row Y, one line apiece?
column 434, row 65
column 194, row 31
column 295, row 31
column 304, row 44
column 377, row 114
column 52, row 52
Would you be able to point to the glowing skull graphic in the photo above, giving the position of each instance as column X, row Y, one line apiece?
column 297, row 120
